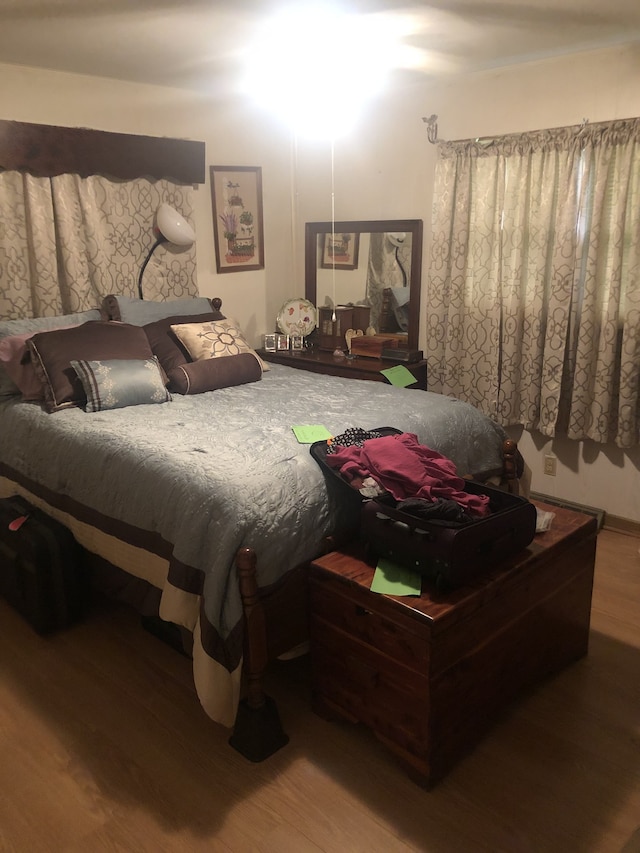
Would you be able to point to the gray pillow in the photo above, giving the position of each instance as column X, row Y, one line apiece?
column 139, row 312
column 117, row 383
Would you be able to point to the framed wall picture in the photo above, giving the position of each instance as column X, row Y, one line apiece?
column 236, row 194
column 339, row 249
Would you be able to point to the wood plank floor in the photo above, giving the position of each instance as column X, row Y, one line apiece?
column 104, row 747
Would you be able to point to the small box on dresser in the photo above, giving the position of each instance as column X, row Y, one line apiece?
column 331, row 333
column 429, row 675
column 371, row 346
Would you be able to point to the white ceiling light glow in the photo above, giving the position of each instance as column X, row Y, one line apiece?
column 316, row 67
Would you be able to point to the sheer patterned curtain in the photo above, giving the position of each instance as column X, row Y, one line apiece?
column 66, row 242
column 383, row 271
column 534, row 284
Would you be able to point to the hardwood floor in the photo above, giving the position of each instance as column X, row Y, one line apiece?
column 104, row 747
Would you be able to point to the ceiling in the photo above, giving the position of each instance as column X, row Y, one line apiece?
column 190, row 43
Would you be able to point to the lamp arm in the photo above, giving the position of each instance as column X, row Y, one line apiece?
column 161, row 239
column 402, row 269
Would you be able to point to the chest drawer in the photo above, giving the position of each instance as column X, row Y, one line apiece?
column 392, row 700
column 355, row 612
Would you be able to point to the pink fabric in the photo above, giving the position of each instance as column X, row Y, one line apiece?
column 16, row 360
column 407, row 469
column 17, row 364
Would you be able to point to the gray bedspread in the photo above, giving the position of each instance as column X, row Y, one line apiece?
column 216, row 471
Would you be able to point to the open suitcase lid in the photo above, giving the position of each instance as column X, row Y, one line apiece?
column 449, row 552
column 319, row 452
column 500, row 500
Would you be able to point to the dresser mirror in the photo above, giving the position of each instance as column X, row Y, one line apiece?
column 376, row 263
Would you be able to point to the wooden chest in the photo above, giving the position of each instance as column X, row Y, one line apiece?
column 430, row 674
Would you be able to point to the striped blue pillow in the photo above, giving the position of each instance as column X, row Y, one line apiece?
column 121, row 382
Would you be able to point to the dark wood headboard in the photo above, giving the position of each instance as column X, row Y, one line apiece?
column 46, row 150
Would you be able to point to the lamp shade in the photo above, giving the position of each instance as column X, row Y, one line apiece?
column 396, row 238
column 173, row 226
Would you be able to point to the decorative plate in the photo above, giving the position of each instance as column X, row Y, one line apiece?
column 297, row 317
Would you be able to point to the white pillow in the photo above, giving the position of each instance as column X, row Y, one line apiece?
column 214, row 339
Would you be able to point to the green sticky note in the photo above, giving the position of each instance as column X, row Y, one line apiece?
column 307, row 434
column 391, row 579
column 399, row 375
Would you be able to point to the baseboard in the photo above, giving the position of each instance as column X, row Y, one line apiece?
column 599, row 514
column 622, row 525
column 605, row 519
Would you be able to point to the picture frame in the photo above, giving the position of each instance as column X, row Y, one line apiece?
column 238, row 229
column 339, row 250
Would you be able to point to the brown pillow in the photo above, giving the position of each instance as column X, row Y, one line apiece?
column 169, row 350
column 52, row 353
column 194, row 377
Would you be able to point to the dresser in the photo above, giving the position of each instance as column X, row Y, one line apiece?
column 319, row 361
column 430, row 674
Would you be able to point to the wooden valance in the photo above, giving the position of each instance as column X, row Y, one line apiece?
column 46, row 150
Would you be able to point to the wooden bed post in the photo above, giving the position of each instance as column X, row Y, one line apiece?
column 510, row 466
column 258, row 731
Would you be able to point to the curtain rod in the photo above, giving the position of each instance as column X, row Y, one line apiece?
column 432, row 131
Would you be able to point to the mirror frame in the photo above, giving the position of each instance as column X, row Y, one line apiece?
column 412, row 226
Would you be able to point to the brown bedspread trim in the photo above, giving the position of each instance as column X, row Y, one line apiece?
column 116, row 583
column 227, row 652
column 180, row 575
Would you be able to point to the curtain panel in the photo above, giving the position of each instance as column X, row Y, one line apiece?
column 66, row 242
column 534, row 283
column 383, row 271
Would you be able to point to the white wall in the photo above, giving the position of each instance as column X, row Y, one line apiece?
column 383, row 170
column 232, row 137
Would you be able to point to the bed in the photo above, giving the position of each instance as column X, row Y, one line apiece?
column 210, row 505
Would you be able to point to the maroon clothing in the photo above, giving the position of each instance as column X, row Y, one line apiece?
column 406, row 469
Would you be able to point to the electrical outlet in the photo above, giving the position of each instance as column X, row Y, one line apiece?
column 550, row 465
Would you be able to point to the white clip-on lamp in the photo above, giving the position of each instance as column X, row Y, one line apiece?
column 172, row 228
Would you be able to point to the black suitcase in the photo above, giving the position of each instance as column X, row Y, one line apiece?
column 41, row 571
column 447, row 553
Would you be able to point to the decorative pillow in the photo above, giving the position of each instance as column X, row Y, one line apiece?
column 29, row 326
column 139, row 312
column 120, row 382
column 15, row 357
column 16, row 360
column 218, row 338
column 195, row 377
column 165, row 345
column 53, row 352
